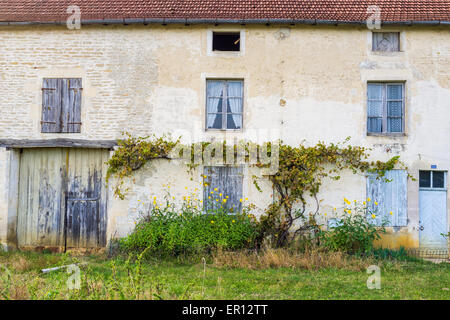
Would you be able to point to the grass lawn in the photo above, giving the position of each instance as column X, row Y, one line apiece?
column 101, row 278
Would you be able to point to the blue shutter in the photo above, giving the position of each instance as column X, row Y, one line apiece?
column 391, row 196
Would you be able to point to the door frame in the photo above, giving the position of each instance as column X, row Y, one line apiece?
column 431, row 188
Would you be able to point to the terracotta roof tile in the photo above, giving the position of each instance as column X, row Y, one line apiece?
column 335, row 10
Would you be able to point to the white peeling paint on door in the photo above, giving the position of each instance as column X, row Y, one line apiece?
column 433, row 221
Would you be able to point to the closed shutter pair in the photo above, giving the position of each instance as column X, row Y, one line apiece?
column 61, row 105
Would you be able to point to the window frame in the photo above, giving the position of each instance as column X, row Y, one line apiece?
column 219, row 32
column 225, row 54
column 384, row 117
column 431, row 187
column 224, row 105
column 383, row 32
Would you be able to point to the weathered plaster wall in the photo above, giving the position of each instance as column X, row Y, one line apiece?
column 306, row 82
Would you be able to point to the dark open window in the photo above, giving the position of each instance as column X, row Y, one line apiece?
column 226, row 41
column 61, row 105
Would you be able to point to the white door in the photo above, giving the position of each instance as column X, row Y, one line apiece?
column 433, row 209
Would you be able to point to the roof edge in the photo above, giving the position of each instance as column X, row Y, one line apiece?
column 187, row 21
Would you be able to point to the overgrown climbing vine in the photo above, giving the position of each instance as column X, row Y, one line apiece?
column 301, row 173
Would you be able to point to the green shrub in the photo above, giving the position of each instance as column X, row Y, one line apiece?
column 188, row 229
column 354, row 231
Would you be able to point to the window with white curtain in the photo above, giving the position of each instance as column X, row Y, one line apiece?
column 224, row 102
column 385, row 107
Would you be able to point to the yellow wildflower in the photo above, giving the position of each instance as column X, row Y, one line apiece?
column 215, row 189
column 240, row 200
column 220, row 194
column 233, row 221
column 364, row 203
column 212, row 221
column 224, row 200
column 368, row 199
column 390, row 212
column 376, row 203
column 373, row 216
column 246, row 199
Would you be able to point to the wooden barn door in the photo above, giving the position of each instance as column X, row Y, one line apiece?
column 62, row 198
column 85, row 210
column 41, row 200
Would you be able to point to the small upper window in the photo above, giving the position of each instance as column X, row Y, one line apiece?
column 226, row 41
column 385, row 41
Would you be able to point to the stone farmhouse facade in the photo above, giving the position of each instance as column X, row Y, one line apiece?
column 215, row 70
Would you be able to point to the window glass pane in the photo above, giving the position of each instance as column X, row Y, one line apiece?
column 234, row 89
column 375, row 108
column 394, row 125
column 394, row 91
column 234, row 105
column 425, row 179
column 374, row 125
column 438, row 179
column 215, row 104
column 394, row 108
column 375, row 91
column 214, row 121
column 234, row 121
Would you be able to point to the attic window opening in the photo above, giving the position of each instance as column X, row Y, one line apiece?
column 229, row 41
